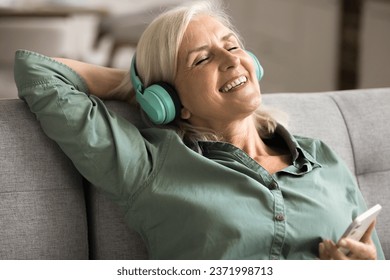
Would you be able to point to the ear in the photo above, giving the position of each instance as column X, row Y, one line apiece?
column 185, row 114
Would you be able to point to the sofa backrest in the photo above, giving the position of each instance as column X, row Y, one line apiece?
column 42, row 205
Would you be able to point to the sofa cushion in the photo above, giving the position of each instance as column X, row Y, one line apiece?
column 110, row 237
column 41, row 194
column 315, row 115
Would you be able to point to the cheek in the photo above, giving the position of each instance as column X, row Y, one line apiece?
column 194, row 90
column 193, row 101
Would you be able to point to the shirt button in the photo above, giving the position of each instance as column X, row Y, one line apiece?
column 273, row 185
column 279, row 217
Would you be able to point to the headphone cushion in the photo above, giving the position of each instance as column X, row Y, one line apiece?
column 160, row 102
column 259, row 68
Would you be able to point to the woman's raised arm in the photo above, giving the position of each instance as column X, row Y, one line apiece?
column 107, row 150
column 101, row 81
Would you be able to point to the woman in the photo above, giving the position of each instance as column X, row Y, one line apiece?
column 220, row 178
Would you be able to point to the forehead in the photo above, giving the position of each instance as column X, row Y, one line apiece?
column 201, row 30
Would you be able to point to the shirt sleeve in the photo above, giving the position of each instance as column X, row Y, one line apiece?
column 106, row 149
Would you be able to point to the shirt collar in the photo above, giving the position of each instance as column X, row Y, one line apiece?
column 303, row 161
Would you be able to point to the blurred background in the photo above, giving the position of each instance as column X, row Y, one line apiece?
column 303, row 45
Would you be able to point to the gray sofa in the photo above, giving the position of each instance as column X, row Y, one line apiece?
column 48, row 211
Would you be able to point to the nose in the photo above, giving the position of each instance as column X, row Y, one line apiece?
column 228, row 60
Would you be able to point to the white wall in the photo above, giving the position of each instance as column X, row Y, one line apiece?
column 374, row 68
column 295, row 40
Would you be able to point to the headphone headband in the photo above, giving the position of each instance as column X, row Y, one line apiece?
column 135, row 80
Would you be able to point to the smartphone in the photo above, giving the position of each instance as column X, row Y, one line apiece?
column 360, row 225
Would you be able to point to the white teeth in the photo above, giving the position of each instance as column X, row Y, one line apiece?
column 239, row 81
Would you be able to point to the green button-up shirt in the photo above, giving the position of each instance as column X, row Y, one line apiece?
column 218, row 204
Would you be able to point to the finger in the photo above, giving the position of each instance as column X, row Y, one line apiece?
column 359, row 250
column 323, row 253
column 367, row 235
column 333, row 251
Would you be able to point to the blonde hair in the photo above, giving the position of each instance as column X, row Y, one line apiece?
column 156, row 61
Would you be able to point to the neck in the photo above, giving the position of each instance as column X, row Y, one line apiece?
column 244, row 135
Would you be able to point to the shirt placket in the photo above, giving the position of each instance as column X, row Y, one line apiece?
column 279, row 221
column 279, row 213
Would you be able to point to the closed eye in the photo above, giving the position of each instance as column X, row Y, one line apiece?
column 232, row 49
column 202, row 60
column 206, row 58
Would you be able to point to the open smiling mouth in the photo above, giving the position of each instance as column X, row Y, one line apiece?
column 234, row 84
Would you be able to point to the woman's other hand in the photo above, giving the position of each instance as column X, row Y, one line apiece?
column 358, row 250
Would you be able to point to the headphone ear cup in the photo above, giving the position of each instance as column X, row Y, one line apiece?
column 259, row 68
column 160, row 102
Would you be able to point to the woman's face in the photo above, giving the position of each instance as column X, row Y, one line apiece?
column 216, row 79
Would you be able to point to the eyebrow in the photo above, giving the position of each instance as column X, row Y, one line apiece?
column 205, row 47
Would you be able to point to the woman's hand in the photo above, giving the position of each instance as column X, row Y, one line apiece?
column 358, row 250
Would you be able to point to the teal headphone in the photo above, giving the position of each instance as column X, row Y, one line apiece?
column 160, row 101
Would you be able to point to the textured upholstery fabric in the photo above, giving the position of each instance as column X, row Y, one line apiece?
column 110, row 238
column 317, row 116
column 42, row 209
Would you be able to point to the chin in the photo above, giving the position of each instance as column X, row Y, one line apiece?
column 248, row 109
column 255, row 102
